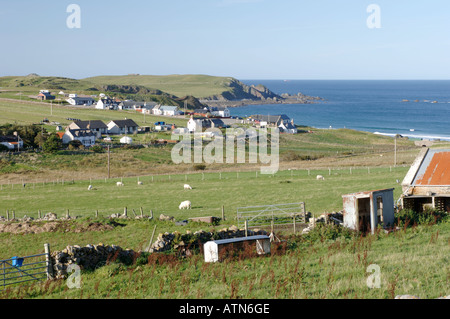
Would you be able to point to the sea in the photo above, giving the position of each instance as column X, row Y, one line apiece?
column 418, row 109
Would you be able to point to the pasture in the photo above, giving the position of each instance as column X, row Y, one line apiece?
column 163, row 193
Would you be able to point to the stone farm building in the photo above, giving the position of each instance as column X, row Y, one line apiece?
column 427, row 183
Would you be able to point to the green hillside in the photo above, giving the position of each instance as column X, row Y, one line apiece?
column 178, row 85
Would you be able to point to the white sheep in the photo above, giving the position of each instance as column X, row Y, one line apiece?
column 140, row 183
column 185, row 205
column 119, row 184
column 320, row 177
column 89, row 187
column 187, row 186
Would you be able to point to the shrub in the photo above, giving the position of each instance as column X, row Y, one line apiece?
column 199, row 167
column 408, row 217
column 52, row 144
column 323, row 232
column 97, row 149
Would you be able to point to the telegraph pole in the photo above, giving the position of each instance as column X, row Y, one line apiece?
column 395, row 150
column 109, row 170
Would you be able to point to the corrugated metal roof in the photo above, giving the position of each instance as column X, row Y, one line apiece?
column 434, row 170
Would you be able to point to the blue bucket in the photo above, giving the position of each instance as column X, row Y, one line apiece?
column 17, row 261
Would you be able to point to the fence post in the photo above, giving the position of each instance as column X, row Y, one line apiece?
column 48, row 261
column 246, row 227
column 294, row 225
column 223, row 212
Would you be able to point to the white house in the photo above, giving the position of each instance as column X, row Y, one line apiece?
column 126, row 126
column 169, row 110
column 107, row 104
column 194, row 125
column 97, row 126
column 287, row 127
column 86, row 137
column 220, row 111
column 76, row 100
column 166, row 110
column 12, row 141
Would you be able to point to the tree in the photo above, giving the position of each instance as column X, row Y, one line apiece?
column 52, row 144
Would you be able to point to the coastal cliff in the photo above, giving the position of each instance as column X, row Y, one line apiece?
column 239, row 94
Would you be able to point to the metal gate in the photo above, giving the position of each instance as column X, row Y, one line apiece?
column 23, row 269
column 267, row 215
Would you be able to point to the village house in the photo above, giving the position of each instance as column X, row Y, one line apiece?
column 197, row 125
column 427, row 183
column 107, row 104
column 45, row 95
column 283, row 122
column 166, row 110
column 96, row 126
column 289, row 128
column 136, row 106
column 204, row 112
column 12, row 142
column 220, row 111
column 126, row 126
column 80, row 100
column 86, row 137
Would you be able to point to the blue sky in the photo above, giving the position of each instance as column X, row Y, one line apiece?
column 245, row 39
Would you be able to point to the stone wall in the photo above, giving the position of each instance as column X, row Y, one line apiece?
column 89, row 257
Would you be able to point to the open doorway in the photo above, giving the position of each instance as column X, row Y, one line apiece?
column 364, row 214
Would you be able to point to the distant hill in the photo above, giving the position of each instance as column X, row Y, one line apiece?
column 165, row 88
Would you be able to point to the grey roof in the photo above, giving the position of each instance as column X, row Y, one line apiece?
column 82, row 133
column 8, row 138
column 125, row 123
column 271, row 118
column 168, row 108
column 131, row 103
column 93, row 124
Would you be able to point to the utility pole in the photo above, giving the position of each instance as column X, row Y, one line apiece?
column 395, row 150
column 109, row 170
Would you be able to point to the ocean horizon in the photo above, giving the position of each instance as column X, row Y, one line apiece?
column 418, row 109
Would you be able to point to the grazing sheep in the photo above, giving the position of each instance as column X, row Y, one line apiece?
column 185, row 205
column 89, row 187
column 140, row 183
column 119, row 184
column 320, row 177
column 186, row 186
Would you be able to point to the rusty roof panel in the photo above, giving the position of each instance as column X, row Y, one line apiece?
column 435, row 169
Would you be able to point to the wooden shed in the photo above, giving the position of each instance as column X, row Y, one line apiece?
column 364, row 211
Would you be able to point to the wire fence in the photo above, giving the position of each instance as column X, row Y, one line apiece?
column 207, row 176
